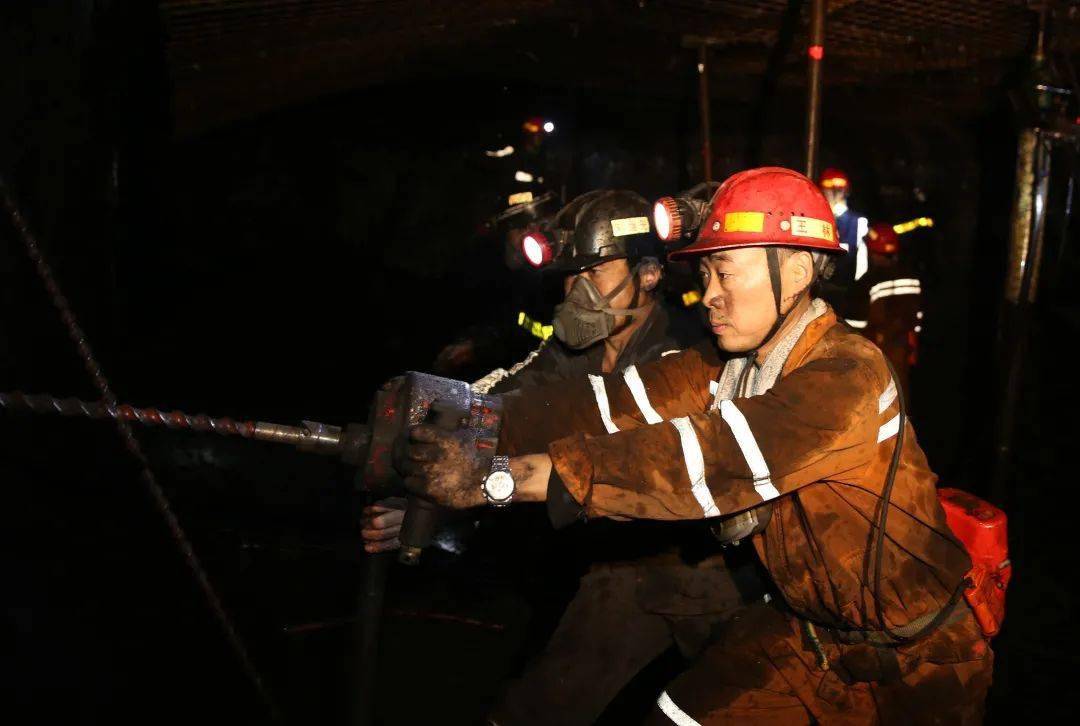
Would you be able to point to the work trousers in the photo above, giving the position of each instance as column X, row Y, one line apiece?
column 605, row 638
column 765, row 670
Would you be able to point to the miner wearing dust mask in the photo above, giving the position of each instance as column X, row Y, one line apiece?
column 613, row 314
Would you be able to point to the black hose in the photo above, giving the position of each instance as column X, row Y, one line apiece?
column 879, row 540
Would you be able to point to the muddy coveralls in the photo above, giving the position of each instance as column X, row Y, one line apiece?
column 647, row 587
column 817, row 447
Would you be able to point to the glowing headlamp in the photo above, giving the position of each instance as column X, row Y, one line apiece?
column 677, row 218
column 536, row 124
column 537, row 249
column 666, row 219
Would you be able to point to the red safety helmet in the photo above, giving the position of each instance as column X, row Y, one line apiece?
column 834, row 179
column 766, row 207
column 882, row 239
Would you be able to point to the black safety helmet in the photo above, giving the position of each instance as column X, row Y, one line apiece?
column 522, row 211
column 525, row 208
column 597, row 226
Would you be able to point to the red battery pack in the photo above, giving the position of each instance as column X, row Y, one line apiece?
column 981, row 527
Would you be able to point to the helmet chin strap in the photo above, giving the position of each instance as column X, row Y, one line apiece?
column 772, row 257
column 619, row 288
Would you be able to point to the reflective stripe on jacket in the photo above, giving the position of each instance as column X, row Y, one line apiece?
column 649, row 443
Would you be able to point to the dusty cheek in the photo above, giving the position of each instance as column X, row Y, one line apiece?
column 732, row 341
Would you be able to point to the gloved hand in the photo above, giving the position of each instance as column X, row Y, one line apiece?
column 381, row 524
column 443, row 467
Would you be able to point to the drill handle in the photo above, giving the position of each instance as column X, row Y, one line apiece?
column 421, row 515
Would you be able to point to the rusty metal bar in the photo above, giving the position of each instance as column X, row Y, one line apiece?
column 1027, row 233
column 311, row 436
column 815, row 57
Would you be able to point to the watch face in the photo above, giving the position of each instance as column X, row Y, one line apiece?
column 499, row 485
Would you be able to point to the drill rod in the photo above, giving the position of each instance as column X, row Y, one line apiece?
column 312, row 436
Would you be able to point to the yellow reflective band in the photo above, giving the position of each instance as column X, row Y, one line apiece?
column 535, row 327
column 904, row 227
column 630, row 225
column 834, row 183
column 691, row 297
column 810, row 227
column 519, row 198
column 744, row 222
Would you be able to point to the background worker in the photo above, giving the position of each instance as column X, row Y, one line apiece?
column 887, row 302
column 851, row 228
column 647, row 587
column 789, row 415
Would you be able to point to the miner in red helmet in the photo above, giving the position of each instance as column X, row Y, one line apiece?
column 886, row 302
column 789, row 422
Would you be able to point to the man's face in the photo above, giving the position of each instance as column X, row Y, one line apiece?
column 739, row 297
column 606, row 277
column 835, row 195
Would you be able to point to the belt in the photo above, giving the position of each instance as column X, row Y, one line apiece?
column 883, row 639
column 885, row 668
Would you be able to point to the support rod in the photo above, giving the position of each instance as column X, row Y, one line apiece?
column 1026, row 239
column 815, row 57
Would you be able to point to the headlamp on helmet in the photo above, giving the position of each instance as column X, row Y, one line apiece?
column 540, row 245
column 677, row 219
column 536, row 248
column 834, row 179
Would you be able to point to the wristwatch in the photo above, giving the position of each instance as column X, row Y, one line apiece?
column 498, row 486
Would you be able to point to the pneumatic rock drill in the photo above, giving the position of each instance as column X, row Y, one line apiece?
column 401, row 403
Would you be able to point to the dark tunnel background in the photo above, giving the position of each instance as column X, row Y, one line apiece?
column 281, row 267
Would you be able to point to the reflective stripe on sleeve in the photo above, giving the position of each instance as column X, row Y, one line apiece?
column 600, row 392
column 672, row 711
column 890, row 429
column 857, row 324
column 713, row 388
column 885, row 399
column 695, row 465
column 895, row 291
column 901, row 286
column 637, row 388
column 744, row 437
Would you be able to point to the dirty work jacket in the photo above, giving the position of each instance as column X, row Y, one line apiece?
column 678, row 565
column 649, row 443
